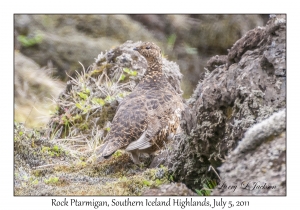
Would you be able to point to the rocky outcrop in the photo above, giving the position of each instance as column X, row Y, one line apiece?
column 249, row 88
column 257, row 166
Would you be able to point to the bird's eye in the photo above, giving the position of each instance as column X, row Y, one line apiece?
column 147, row 47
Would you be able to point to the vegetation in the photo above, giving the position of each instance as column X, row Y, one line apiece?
column 53, row 164
column 27, row 41
column 207, row 188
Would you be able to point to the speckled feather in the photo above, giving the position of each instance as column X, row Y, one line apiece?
column 150, row 113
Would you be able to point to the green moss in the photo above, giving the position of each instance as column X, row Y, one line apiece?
column 76, row 118
column 123, row 94
column 52, row 181
column 83, row 106
column 99, row 70
column 86, row 90
column 117, row 153
column 54, row 151
column 99, row 101
column 135, row 185
column 30, row 41
column 130, row 72
column 81, row 164
column 37, row 173
column 83, row 126
column 122, row 77
column 35, row 182
column 82, row 95
column 32, row 180
column 109, row 99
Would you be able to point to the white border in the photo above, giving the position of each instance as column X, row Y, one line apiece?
column 154, row 6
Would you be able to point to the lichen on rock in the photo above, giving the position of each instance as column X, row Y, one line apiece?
column 234, row 96
column 257, row 166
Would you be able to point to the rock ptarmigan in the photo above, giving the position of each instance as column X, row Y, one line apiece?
column 149, row 115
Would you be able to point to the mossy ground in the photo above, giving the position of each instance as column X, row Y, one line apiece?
column 43, row 167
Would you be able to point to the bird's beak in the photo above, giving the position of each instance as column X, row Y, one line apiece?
column 136, row 48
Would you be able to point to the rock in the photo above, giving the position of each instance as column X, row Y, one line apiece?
column 258, row 165
column 216, row 61
column 233, row 97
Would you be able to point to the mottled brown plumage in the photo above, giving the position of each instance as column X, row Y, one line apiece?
column 147, row 116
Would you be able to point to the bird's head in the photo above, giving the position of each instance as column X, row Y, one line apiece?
column 151, row 52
